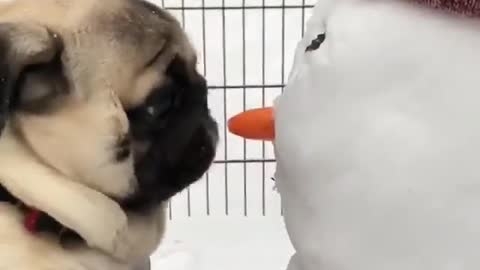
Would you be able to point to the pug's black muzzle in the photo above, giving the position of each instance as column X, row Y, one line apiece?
column 180, row 137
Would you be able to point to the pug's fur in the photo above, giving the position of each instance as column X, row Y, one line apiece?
column 103, row 118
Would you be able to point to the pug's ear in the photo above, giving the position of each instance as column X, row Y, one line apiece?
column 30, row 66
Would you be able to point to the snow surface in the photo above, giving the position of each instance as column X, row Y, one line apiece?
column 224, row 243
column 384, row 174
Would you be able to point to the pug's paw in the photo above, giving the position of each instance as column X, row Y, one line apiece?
column 122, row 248
column 142, row 237
column 106, row 228
column 114, row 242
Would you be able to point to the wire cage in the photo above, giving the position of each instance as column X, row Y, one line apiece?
column 245, row 50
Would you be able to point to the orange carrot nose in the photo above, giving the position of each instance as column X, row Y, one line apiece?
column 257, row 124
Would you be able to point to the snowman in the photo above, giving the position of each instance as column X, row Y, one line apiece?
column 377, row 137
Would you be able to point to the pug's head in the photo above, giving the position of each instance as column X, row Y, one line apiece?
column 106, row 93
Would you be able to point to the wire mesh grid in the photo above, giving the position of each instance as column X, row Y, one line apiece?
column 245, row 50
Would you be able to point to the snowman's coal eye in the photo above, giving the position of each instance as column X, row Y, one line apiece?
column 316, row 43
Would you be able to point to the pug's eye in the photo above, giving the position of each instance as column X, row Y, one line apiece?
column 160, row 108
column 151, row 110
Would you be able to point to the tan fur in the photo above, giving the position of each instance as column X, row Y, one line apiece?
column 59, row 161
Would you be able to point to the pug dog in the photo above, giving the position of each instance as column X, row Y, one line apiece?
column 103, row 118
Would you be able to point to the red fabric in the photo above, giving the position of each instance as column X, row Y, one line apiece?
column 463, row 7
column 31, row 220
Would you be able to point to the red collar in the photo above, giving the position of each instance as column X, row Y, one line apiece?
column 32, row 217
column 35, row 221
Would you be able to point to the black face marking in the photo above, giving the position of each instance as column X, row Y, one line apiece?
column 316, row 43
column 181, row 137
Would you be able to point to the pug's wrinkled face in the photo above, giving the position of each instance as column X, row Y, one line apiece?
column 106, row 93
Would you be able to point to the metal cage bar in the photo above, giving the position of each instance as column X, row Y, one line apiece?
column 226, row 164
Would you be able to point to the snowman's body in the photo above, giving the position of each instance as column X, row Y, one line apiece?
column 378, row 140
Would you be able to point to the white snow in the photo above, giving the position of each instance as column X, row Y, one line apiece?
column 224, row 243
column 383, row 173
